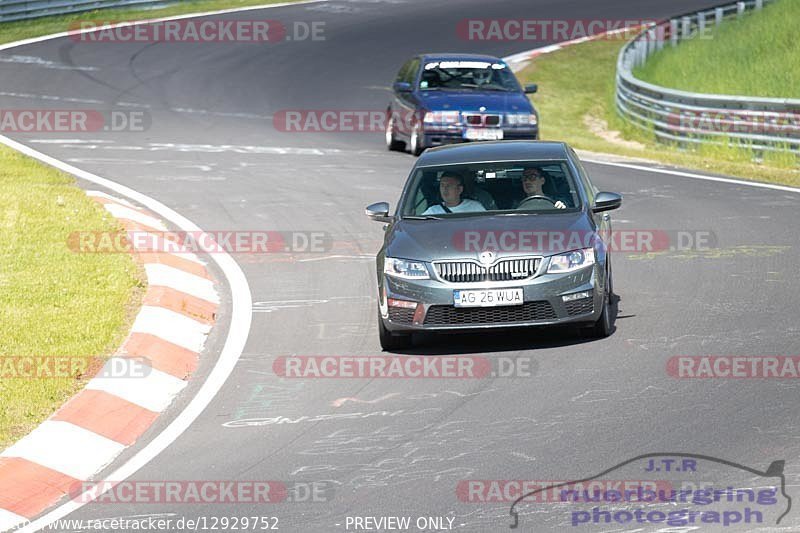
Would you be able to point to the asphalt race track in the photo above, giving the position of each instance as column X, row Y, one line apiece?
column 211, row 154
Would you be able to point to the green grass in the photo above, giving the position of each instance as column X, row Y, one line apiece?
column 25, row 29
column 576, row 105
column 54, row 302
column 756, row 55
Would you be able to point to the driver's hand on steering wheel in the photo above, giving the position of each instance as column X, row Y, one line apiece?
column 560, row 205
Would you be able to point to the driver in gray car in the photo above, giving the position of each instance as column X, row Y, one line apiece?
column 533, row 181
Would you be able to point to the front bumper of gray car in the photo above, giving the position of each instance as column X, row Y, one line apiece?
column 422, row 305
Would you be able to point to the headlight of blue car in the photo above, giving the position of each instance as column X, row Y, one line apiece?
column 521, row 119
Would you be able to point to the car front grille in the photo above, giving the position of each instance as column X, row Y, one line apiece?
column 401, row 315
column 503, row 270
column 580, row 307
column 481, row 120
column 448, row 315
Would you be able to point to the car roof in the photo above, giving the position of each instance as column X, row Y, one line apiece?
column 493, row 151
column 446, row 56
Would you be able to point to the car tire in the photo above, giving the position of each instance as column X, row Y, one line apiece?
column 416, row 143
column 392, row 144
column 603, row 327
column 392, row 341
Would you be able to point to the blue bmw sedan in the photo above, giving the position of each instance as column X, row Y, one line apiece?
column 452, row 98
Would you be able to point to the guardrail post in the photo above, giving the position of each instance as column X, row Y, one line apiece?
column 660, row 35
column 740, row 7
column 673, row 32
column 701, row 24
column 759, row 4
column 651, row 42
column 686, row 25
column 718, row 14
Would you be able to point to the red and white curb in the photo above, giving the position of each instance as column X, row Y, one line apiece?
column 88, row 432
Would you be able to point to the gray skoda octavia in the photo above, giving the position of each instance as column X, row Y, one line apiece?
column 495, row 235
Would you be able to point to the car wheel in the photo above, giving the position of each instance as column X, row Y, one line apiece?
column 391, row 143
column 392, row 341
column 603, row 327
column 417, row 136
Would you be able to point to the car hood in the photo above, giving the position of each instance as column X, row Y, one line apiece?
column 493, row 101
column 507, row 236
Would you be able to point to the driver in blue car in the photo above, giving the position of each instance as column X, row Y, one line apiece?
column 451, row 187
column 533, row 182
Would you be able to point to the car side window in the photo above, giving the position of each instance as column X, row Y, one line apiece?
column 411, row 72
column 589, row 188
column 401, row 74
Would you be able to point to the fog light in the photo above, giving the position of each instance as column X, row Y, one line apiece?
column 575, row 296
column 405, row 304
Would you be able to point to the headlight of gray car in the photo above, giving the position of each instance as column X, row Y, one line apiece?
column 570, row 261
column 405, row 268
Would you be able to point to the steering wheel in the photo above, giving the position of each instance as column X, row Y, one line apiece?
column 535, row 199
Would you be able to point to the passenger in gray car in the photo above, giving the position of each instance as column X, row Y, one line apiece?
column 451, row 187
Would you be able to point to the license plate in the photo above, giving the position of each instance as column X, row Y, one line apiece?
column 483, row 134
column 487, row 297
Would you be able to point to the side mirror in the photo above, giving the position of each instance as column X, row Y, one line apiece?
column 402, row 87
column 532, row 88
column 379, row 212
column 606, row 201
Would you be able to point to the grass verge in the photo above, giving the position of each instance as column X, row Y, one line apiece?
column 26, row 29
column 723, row 62
column 576, row 105
column 54, row 302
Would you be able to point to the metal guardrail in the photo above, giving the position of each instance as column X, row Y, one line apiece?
column 11, row 10
column 686, row 117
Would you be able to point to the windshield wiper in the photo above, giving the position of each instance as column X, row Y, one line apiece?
column 422, row 217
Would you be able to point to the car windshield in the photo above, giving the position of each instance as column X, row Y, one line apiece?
column 505, row 187
column 468, row 75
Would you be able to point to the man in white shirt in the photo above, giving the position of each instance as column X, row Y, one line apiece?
column 451, row 186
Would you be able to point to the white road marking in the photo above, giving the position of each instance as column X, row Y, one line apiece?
column 69, row 141
column 39, row 62
column 81, row 453
column 691, row 175
column 167, row 276
column 120, row 211
column 171, row 326
column 50, row 98
column 154, row 392
column 9, row 520
column 101, row 194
